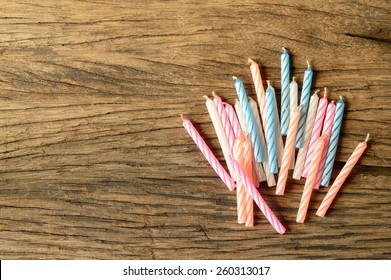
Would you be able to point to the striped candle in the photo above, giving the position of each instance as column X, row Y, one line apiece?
column 233, row 119
column 327, row 126
column 277, row 129
column 224, row 120
column 332, row 149
column 270, row 180
column 265, row 209
column 248, row 170
column 324, row 206
column 213, row 161
column 309, row 124
column 305, row 96
column 309, row 183
column 285, row 76
column 259, row 89
column 248, row 118
column 289, row 149
column 293, row 96
column 270, row 130
column 319, row 118
column 259, row 171
column 214, row 116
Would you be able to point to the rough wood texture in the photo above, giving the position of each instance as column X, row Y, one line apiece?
column 95, row 162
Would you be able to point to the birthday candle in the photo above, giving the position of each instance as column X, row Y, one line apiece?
column 285, row 73
column 270, row 130
column 324, row 206
column 319, row 118
column 327, row 125
column 309, row 183
column 289, row 149
column 248, row 118
column 259, row 171
column 270, row 180
column 277, row 129
column 307, row 134
column 213, row 161
column 259, row 89
column 224, row 120
column 265, row 209
column 293, row 96
column 214, row 115
column 305, row 96
column 340, row 105
column 233, row 119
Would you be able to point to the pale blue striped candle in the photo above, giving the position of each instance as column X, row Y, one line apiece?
column 332, row 149
column 305, row 97
column 249, row 120
column 285, row 76
column 270, row 130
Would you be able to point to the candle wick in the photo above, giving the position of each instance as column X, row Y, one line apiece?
column 234, row 78
column 317, row 91
column 213, row 93
column 250, row 61
column 268, row 83
column 294, row 78
column 182, row 117
column 308, row 63
column 366, row 139
column 283, row 49
column 325, row 92
column 206, row 97
column 340, row 97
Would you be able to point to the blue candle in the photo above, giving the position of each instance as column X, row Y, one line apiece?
column 332, row 149
column 305, row 96
column 270, row 130
column 249, row 120
column 285, row 76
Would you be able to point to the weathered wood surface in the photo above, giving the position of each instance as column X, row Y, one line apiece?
column 95, row 163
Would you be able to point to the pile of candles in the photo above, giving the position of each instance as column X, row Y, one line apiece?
column 253, row 147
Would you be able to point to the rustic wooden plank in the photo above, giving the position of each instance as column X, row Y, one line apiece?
column 95, row 163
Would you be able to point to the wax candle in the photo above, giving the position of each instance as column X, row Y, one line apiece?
column 240, row 189
column 307, row 135
column 327, row 125
column 224, row 120
column 309, row 183
column 227, row 152
column 305, row 96
column 357, row 153
column 285, row 75
column 293, row 96
column 270, row 180
column 248, row 118
column 259, row 89
column 319, row 118
column 233, row 119
column 259, row 171
column 270, row 130
column 265, row 209
column 332, row 149
column 289, row 149
column 213, row 161
column 277, row 129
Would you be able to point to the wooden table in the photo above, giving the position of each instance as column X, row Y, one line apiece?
column 96, row 165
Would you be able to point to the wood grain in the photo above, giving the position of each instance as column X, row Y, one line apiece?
column 95, row 163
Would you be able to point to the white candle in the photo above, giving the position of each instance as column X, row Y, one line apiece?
column 307, row 135
column 223, row 140
column 293, row 96
column 277, row 129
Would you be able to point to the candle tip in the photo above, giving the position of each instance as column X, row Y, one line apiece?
column 301, row 105
column 341, row 98
column 332, row 101
column 268, row 83
column 213, row 93
column 325, row 92
column 308, row 64
column 283, row 49
column 250, row 61
column 182, row 117
column 206, row 97
column 294, row 78
column 317, row 91
column 234, row 78
column 366, row 139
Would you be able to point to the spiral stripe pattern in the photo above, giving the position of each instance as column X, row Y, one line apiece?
column 320, row 113
column 265, row 209
column 324, row 206
column 285, row 74
column 248, row 168
column 240, row 189
column 213, row 161
column 224, row 121
column 259, row 89
column 305, row 96
column 233, row 119
column 270, row 131
column 332, row 149
column 309, row 183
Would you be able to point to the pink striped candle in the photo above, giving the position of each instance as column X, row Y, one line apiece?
column 233, row 119
column 327, row 126
column 259, row 89
column 320, row 113
column 210, row 157
column 224, row 120
column 265, row 209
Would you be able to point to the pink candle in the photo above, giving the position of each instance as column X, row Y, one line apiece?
column 213, row 161
column 265, row 209
column 233, row 119
column 259, row 89
column 320, row 113
column 327, row 126
column 224, row 120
